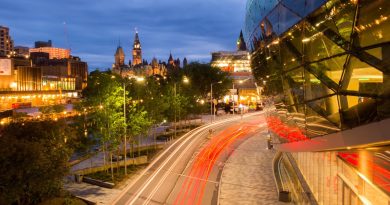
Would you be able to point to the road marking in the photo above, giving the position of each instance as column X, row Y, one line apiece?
column 183, row 140
column 174, row 164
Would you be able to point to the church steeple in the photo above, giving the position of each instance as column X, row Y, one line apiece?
column 241, row 46
column 137, row 51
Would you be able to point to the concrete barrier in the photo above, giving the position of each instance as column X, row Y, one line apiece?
column 131, row 161
column 100, row 183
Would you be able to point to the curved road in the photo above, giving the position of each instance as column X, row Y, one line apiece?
column 188, row 171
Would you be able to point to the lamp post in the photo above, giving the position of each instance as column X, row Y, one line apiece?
column 139, row 79
column 233, row 97
column 239, row 82
column 185, row 81
column 211, row 101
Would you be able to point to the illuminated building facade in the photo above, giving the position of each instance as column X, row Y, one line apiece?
column 237, row 63
column 137, row 51
column 54, row 53
column 330, row 63
column 51, row 81
column 231, row 61
column 6, row 42
column 22, row 51
column 138, row 67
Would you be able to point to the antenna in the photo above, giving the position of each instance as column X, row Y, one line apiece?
column 66, row 36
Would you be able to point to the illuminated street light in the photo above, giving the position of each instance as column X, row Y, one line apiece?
column 211, row 100
column 185, row 79
column 140, row 79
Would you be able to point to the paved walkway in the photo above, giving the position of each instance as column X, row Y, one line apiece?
column 247, row 177
column 96, row 194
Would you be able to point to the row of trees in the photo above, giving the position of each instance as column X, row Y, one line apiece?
column 34, row 155
column 121, row 109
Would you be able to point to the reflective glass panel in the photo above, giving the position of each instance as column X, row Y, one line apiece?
column 360, row 110
column 374, row 22
column 318, row 46
column 364, row 78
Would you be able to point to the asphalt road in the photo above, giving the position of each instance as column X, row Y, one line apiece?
column 188, row 171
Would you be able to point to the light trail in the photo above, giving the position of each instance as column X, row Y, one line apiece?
column 190, row 138
column 194, row 185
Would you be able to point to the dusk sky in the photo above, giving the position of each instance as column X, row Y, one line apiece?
column 188, row 28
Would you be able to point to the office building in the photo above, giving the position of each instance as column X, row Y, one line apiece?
column 6, row 42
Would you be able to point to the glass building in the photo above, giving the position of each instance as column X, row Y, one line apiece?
column 327, row 66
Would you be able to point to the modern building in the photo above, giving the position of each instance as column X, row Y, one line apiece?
column 245, row 90
column 6, row 42
column 51, row 81
column 39, row 76
column 54, row 53
column 42, row 44
column 22, row 51
column 328, row 63
column 232, row 61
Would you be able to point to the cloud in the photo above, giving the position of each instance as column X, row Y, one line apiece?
column 192, row 28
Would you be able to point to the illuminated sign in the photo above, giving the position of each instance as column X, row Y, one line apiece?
column 5, row 67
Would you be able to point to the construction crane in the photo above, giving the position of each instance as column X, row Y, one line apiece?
column 66, row 37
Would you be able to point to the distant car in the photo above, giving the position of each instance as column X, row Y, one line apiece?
column 238, row 109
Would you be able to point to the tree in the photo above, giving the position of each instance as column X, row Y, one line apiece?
column 106, row 97
column 104, row 94
column 202, row 75
column 33, row 161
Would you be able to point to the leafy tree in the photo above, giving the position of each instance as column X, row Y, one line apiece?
column 104, row 94
column 33, row 161
column 201, row 77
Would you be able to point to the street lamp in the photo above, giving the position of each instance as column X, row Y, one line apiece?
column 211, row 101
column 240, row 82
column 139, row 79
column 185, row 81
column 241, row 108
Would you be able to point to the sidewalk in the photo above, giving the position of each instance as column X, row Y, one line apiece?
column 96, row 160
column 102, row 195
column 247, row 177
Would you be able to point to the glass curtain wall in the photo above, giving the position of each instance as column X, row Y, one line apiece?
column 329, row 62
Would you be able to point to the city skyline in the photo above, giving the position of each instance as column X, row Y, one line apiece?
column 191, row 29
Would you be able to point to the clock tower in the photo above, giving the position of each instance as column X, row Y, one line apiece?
column 137, row 51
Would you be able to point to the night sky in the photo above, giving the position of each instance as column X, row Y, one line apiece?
column 190, row 28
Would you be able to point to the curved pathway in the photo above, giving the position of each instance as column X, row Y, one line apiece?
column 247, row 177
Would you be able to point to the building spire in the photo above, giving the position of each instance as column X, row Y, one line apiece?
column 241, row 45
column 137, row 50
